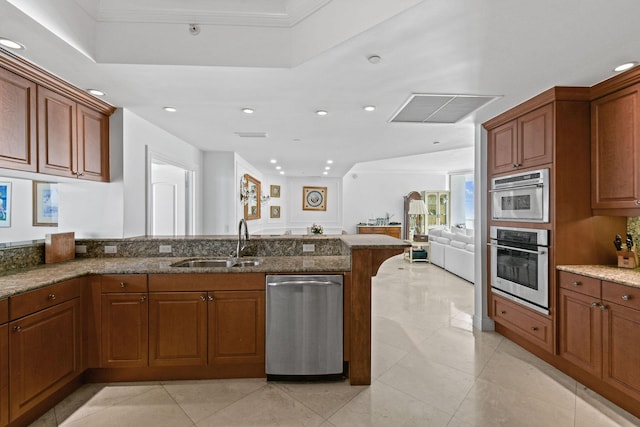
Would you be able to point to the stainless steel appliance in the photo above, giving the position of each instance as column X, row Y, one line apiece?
column 520, row 265
column 304, row 326
column 521, row 197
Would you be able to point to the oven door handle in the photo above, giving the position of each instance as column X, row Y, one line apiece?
column 515, row 187
column 538, row 252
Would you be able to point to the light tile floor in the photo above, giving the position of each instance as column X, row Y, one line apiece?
column 430, row 368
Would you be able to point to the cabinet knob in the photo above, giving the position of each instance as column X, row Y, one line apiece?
column 210, row 298
column 51, row 297
column 122, row 284
column 638, row 202
column 626, row 297
column 576, row 284
column 594, row 304
column 143, row 299
column 17, row 328
column 603, row 307
column 81, row 174
column 203, row 298
column 503, row 312
column 534, row 328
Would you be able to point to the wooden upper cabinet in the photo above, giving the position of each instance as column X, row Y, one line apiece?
column 615, row 150
column 93, row 144
column 73, row 140
column 56, row 134
column 523, row 142
column 17, row 122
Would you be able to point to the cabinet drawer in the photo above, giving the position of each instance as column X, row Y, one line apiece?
column 33, row 301
column 627, row 296
column 4, row 311
column 123, row 283
column 578, row 283
column 528, row 324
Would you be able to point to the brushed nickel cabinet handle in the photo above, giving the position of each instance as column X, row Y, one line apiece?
column 638, row 202
column 503, row 312
column 210, row 298
column 626, row 297
column 143, row 299
column 576, row 284
column 17, row 328
column 203, row 298
column 594, row 304
column 122, row 284
column 534, row 328
column 51, row 297
column 603, row 307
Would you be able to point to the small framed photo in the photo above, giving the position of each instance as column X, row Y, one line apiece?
column 5, row 204
column 45, row 204
column 275, row 212
column 275, row 191
column 314, row 198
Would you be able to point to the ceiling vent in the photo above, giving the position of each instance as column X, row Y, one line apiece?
column 425, row 108
column 252, row 134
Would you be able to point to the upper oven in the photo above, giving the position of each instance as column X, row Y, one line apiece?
column 521, row 197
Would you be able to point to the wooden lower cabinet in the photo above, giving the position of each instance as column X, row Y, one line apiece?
column 178, row 328
column 621, row 338
column 4, row 375
column 45, row 354
column 389, row 230
column 124, row 330
column 580, row 319
column 237, row 328
column 532, row 326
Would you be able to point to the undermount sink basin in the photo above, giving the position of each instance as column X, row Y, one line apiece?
column 208, row 263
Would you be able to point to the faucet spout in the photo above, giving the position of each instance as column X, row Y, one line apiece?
column 242, row 245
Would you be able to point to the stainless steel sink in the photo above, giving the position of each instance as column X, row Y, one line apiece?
column 208, row 263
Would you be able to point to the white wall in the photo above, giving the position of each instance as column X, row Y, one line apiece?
column 372, row 195
column 139, row 134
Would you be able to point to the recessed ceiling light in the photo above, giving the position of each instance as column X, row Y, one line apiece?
column 327, row 168
column 170, row 109
column 11, row 44
column 96, row 92
column 247, row 110
column 281, row 172
column 322, row 112
column 278, row 168
column 374, row 59
column 329, row 161
column 325, row 173
column 624, row 67
column 273, row 161
column 369, row 108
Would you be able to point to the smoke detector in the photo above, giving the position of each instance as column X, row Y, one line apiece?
column 194, row 29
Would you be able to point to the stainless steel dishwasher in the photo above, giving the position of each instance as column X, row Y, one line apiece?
column 304, row 326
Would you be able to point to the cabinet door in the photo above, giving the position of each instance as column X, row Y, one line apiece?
column 503, row 148
column 4, row 375
column 443, row 209
column 93, row 144
column 236, row 328
column 124, row 330
column 177, row 328
column 580, row 330
column 56, row 134
column 45, row 351
column 17, row 122
column 535, row 137
column 621, row 334
column 615, row 145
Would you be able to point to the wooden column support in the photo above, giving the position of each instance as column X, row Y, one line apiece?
column 364, row 265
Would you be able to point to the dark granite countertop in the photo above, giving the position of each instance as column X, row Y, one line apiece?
column 28, row 279
column 625, row 276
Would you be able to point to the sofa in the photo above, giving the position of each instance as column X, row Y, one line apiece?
column 454, row 250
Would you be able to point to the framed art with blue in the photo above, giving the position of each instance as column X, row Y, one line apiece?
column 5, row 204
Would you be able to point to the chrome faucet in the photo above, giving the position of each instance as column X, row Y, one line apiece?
column 239, row 248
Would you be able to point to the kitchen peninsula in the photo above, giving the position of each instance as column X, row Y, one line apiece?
column 107, row 312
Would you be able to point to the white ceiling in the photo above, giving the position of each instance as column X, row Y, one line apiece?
column 289, row 58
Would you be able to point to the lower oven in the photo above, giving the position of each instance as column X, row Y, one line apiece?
column 520, row 265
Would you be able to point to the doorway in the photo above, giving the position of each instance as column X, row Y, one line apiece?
column 170, row 197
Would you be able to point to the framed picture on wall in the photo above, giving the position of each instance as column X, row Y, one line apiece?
column 45, row 204
column 275, row 191
column 275, row 212
column 5, row 204
column 314, row 198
